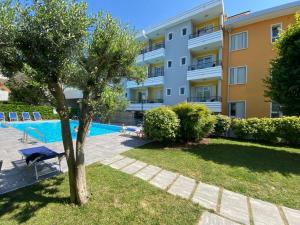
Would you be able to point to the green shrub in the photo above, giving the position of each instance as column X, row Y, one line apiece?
column 285, row 130
column 288, row 129
column 222, row 125
column 196, row 121
column 263, row 129
column 161, row 124
column 241, row 128
column 46, row 111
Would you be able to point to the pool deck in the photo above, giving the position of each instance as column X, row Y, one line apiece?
column 16, row 174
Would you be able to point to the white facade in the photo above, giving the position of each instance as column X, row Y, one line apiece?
column 182, row 39
column 4, row 95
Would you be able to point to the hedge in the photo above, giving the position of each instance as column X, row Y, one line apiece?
column 284, row 130
column 45, row 111
column 222, row 125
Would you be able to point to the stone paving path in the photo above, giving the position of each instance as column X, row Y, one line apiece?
column 229, row 208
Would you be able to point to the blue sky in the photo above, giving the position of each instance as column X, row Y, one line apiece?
column 145, row 13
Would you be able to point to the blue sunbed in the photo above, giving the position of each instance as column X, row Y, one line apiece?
column 34, row 156
column 37, row 116
column 13, row 116
column 2, row 116
column 26, row 116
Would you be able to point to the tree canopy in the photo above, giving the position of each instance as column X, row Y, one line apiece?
column 283, row 83
column 57, row 44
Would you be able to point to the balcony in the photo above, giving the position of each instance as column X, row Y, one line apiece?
column 144, row 105
column 206, row 38
column 152, row 54
column 214, row 103
column 211, row 70
column 153, row 79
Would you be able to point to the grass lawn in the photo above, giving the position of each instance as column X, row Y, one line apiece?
column 116, row 198
column 260, row 171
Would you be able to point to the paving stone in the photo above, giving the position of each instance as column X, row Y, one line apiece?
column 111, row 160
column 265, row 213
column 183, row 187
column 122, row 163
column 292, row 215
column 163, row 179
column 206, row 195
column 213, row 219
column 234, row 206
column 133, row 168
column 148, row 172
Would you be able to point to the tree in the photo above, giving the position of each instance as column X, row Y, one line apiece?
column 23, row 89
column 283, row 83
column 65, row 47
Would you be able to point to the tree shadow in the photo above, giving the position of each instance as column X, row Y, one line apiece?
column 25, row 202
column 254, row 158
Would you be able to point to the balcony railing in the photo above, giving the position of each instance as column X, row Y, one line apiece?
column 205, row 99
column 146, row 101
column 203, row 32
column 156, row 73
column 153, row 47
column 200, row 66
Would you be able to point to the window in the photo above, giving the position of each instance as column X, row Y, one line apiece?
column 183, row 61
column 184, row 31
column 170, row 36
column 158, row 71
column 237, row 109
column 182, row 91
column 205, row 62
column 275, row 30
column 169, row 64
column 203, row 94
column 275, row 110
column 238, row 75
column 239, row 41
column 169, row 92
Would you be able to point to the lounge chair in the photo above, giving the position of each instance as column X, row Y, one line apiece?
column 13, row 116
column 2, row 116
column 36, row 116
column 26, row 116
column 37, row 155
column 138, row 131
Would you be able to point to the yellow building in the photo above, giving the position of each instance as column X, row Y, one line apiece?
column 248, row 50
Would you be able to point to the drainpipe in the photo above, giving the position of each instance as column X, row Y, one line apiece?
column 228, row 70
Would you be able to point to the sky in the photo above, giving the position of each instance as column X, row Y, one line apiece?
column 144, row 13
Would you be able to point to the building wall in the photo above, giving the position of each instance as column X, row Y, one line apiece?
column 176, row 76
column 257, row 58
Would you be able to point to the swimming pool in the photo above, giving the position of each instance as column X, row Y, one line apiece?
column 51, row 130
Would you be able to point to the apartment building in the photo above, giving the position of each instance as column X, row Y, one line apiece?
column 248, row 50
column 202, row 56
column 184, row 60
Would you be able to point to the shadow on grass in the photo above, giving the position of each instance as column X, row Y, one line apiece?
column 25, row 202
column 255, row 158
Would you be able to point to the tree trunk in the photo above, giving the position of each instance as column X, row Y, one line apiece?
column 62, row 109
column 84, row 124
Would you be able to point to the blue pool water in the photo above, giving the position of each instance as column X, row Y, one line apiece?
column 51, row 130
